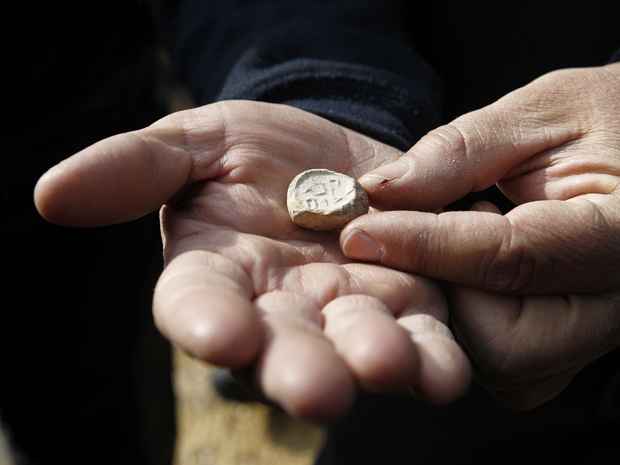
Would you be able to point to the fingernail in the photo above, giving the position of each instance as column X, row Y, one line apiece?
column 361, row 246
column 389, row 172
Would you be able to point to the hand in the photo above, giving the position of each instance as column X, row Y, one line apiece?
column 243, row 285
column 538, row 289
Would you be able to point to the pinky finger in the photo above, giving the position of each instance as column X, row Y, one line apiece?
column 444, row 370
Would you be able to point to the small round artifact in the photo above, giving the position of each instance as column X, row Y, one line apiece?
column 322, row 200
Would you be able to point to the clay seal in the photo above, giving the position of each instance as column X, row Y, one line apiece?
column 322, row 200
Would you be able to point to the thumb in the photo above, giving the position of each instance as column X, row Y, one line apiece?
column 118, row 179
column 478, row 149
column 539, row 247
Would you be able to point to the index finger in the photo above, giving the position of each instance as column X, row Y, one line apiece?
column 485, row 146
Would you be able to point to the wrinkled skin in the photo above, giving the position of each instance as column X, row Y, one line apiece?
column 533, row 294
column 536, row 292
column 243, row 286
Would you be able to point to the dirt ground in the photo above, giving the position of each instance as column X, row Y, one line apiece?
column 214, row 431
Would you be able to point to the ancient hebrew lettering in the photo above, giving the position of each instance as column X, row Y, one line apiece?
column 323, row 199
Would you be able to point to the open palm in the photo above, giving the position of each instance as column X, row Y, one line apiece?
column 244, row 285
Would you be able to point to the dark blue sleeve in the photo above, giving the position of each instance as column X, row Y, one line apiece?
column 350, row 61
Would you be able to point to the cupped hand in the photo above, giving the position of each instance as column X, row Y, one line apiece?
column 535, row 293
column 243, row 285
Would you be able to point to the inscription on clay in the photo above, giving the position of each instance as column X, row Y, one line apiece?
column 322, row 200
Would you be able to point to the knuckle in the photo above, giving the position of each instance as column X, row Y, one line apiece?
column 465, row 143
column 509, row 269
column 509, row 272
column 431, row 251
column 449, row 139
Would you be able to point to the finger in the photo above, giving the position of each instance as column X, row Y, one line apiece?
column 202, row 302
column 528, row 398
column 444, row 372
column 117, row 179
column 482, row 147
column 129, row 175
column 516, row 356
column 523, row 348
column 484, row 206
column 552, row 246
column 298, row 368
column 525, row 395
column 376, row 350
column 420, row 308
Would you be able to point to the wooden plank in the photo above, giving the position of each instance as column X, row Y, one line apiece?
column 215, row 431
